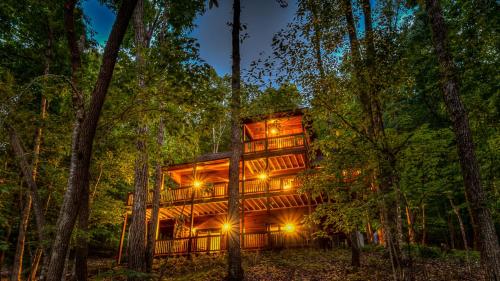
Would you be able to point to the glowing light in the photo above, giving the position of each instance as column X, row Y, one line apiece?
column 262, row 176
column 197, row 184
column 226, row 227
column 287, row 186
column 273, row 131
column 289, row 227
column 193, row 230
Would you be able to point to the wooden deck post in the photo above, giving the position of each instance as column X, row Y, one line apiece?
column 242, row 193
column 191, row 213
column 119, row 258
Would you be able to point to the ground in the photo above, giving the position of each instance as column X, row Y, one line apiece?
column 306, row 264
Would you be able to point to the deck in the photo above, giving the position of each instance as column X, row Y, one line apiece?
column 219, row 191
column 218, row 243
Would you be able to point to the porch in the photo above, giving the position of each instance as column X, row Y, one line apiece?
column 219, row 243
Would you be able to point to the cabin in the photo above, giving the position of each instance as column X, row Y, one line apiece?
column 194, row 198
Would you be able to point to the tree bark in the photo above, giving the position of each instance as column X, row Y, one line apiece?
column 424, row 230
column 355, row 249
column 82, row 145
column 81, row 247
column 235, row 270
column 137, row 258
column 456, row 211
column 153, row 229
column 411, row 225
column 17, row 265
column 489, row 247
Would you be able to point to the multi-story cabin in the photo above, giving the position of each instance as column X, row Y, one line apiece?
column 194, row 202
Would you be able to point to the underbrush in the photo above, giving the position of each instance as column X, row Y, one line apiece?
column 428, row 263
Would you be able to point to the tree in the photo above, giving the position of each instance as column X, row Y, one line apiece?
column 137, row 241
column 84, row 133
column 235, row 271
column 490, row 249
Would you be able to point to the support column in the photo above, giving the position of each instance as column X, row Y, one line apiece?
column 191, row 213
column 242, row 224
column 119, row 259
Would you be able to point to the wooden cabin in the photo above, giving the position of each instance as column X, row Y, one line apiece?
column 194, row 200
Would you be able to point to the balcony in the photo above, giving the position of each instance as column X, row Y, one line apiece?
column 274, row 143
column 220, row 190
column 218, row 243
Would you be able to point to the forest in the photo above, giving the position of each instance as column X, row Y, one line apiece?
column 401, row 108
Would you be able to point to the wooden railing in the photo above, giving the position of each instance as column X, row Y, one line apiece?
column 218, row 243
column 219, row 190
column 274, row 143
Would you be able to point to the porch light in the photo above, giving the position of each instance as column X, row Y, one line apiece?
column 226, row 227
column 262, row 176
column 273, row 131
column 289, row 227
column 197, row 184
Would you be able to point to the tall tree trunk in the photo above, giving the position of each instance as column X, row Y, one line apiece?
column 235, row 271
column 475, row 230
column 411, row 225
column 456, row 211
column 137, row 258
column 462, row 231
column 424, row 230
column 81, row 247
column 451, row 230
column 153, row 229
column 489, row 247
column 355, row 249
column 17, row 265
column 365, row 75
column 82, row 146
column 7, row 237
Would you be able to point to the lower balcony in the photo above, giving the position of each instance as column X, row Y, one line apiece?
column 219, row 243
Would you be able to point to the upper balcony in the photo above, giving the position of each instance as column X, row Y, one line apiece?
column 282, row 131
column 206, row 192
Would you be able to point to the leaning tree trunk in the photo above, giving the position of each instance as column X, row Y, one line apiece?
column 82, row 147
column 27, row 172
column 490, row 250
column 153, row 226
column 81, row 247
column 23, row 226
column 137, row 259
column 235, row 271
column 17, row 265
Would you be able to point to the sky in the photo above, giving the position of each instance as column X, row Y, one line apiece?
column 263, row 19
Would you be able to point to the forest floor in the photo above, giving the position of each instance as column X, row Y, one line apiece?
column 306, row 264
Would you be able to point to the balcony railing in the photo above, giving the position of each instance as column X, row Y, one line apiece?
column 218, row 243
column 220, row 190
column 274, row 143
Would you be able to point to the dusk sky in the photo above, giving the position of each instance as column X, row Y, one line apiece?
column 263, row 19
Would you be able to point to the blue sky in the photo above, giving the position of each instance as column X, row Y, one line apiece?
column 263, row 19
